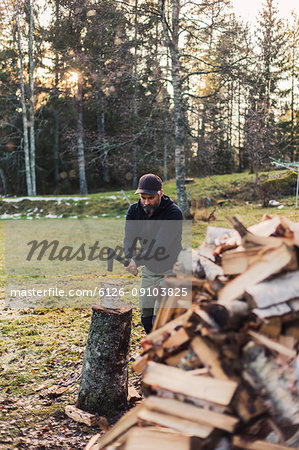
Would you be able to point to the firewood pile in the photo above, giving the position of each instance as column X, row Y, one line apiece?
column 222, row 373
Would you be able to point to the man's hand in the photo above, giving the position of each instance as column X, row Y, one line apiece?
column 132, row 268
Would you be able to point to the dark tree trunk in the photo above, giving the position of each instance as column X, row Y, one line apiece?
column 104, row 380
column 55, row 109
column 3, row 180
column 100, row 113
column 56, row 147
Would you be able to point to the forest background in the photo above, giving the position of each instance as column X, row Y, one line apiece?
column 96, row 93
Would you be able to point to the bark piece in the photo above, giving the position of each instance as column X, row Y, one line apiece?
column 294, row 304
column 214, row 233
column 104, row 379
column 270, row 377
column 212, row 270
column 273, row 311
column 273, row 292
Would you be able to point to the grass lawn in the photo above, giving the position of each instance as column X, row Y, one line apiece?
column 45, row 347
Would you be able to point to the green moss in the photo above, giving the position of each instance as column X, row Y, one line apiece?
column 278, row 187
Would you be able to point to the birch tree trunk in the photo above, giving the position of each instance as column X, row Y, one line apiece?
column 241, row 162
column 80, row 139
column 171, row 36
column 23, row 106
column 104, row 380
column 31, row 98
column 165, row 138
column 201, row 131
column 293, row 77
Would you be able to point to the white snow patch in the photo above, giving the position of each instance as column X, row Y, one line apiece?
column 51, row 216
column 10, row 216
column 47, row 199
column 273, row 203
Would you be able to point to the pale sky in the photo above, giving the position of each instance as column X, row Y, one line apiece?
column 248, row 9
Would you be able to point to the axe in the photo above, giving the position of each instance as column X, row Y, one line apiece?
column 111, row 256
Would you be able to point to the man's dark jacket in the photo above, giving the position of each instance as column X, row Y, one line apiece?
column 159, row 235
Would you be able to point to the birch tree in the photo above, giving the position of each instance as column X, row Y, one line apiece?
column 28, row 172
column 80, row 137
column 31, row 96
column 171, row 31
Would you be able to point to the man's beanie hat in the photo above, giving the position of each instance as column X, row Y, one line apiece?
column 149, row 184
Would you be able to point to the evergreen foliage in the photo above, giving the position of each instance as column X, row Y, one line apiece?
column 102, row 86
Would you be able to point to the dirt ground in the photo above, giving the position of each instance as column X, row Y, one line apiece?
column 42, row 350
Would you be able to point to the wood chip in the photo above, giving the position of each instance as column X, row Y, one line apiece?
column 91, row 420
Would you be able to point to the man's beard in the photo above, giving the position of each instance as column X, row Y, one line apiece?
column 150, row 209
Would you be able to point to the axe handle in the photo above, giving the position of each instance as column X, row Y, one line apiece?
column 112, row 255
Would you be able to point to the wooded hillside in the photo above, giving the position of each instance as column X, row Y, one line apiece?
column 96, row 93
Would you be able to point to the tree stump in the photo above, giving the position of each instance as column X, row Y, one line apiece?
column 104, row 379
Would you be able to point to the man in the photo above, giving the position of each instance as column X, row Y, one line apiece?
column 155, row 224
